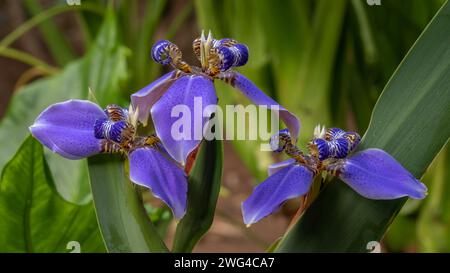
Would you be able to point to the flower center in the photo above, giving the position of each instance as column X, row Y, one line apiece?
column 118, row 134
column 325, row 148
column 215, row 56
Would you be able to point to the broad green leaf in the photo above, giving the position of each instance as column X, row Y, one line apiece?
column 34, row 217
column 105, row 65
column 411, row 122
column 103, row 69
column 123, row 221
column 26, row 106
column 203, row 191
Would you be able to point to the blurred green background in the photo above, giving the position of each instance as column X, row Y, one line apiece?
column 325, row 60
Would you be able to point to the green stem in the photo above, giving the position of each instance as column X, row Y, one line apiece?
column 41, row 17
column 28, row 59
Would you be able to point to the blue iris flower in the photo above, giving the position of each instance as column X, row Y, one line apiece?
column 185, row 82
column 372, row 173
column 77, row 129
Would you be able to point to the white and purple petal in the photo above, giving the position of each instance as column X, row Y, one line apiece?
column 145, row 98
column 258, row 97
column 289, row 182
column 67, row 128
column 375, row 174
column 273, row 168
column 151, row 169
column 181, row 114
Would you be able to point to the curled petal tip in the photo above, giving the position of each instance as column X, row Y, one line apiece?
column 334, row 133
column 160, row 52
column 240, row 52
column 278, row 141
column 320, row 148
column 226, row 56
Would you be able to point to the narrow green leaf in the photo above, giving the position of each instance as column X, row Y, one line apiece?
column 208, row 16
column 365, row 31
column 203, row 191
column 307, row 92
column 46, row 15
column 123, row 221
column 34, row 217
column 141, row 61
column 61, row 50
column 410, row 121
column 180, row 20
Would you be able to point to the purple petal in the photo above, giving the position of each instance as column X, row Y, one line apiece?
column 145, row 98
column 290, row 182
column 258, row 97
column 375, row 174
column 191, row 95
column 279, row 166
column 149, row 168
column 67, row 128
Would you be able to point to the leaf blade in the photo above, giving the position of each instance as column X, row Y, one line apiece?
column 203, row 192
column 122, row 218
column 36, row 218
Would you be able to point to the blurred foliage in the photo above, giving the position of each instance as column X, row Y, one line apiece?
column 327, row 61
column 424, row 226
